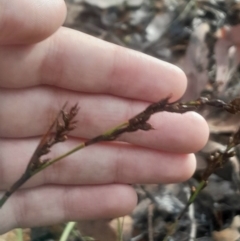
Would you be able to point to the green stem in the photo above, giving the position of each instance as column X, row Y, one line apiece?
column 192, row 198
column 49, row 163
column 200, row 186
column 67, row 230
column 79, row 147
column 28, row 174
column 171, row 231
column 19, row 234
column 111, row 131
column 120, row 229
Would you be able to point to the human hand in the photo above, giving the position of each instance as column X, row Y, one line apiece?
column 43, row 65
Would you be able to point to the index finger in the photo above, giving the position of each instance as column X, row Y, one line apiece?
column 27, row 22
column 76, row 61
column 230, row 33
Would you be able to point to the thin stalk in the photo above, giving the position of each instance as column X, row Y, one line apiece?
column 14, row 187
column 77, row 148
column 67, row 231
column 171, row 231
column 64, row 124
column 120, row 229
column 19, row 234
column 27, row 175
column 81, row 146
column 192, row 198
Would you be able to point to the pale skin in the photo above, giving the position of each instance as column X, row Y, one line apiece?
column 42, row 65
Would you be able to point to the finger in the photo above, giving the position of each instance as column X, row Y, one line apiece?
column 119, row 163
column 182, row 133
column 55, row 204
column 26, row 22
column 230, row 34
column 75, row 61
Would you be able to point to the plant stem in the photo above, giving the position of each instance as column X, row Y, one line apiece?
column 120, row 229
column 19, row 234
column 67, row 230
column 192, row 198
column 82, row 145
column 14, row 187
column 106, row 136
column 138, row 122
column 49, row 163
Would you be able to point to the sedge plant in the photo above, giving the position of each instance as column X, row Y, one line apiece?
column 65, row 122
